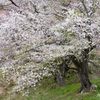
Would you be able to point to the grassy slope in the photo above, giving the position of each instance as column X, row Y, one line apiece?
column 49, row 90
column 68, row 92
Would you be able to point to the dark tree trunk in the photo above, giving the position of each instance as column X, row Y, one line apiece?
column 84, row 78
column 61, row 73
column 82, row 68
column 83, row 73
column 60, row 79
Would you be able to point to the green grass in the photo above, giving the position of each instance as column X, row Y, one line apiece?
column 68, row 92
column 49, row 90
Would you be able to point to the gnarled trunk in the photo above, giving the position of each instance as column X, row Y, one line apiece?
column 86, row 85
column 82, row 68
column 84, row 78
column 83, row 73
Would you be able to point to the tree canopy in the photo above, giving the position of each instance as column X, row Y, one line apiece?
column 36, row 32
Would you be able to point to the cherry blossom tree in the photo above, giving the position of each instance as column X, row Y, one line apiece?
column 38, row 38
column 25, row 40
column 82, row 24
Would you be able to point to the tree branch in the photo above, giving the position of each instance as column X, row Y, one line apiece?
column 89, row 49
column 13, row 3
column 93, row 64
column 75, row 61
column 82, row 1
column 72, row 68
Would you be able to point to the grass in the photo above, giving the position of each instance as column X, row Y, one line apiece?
column 49, row 90
column 68, row 92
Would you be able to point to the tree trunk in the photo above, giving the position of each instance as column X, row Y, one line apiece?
column 61, row 74
column 84, row 78
column 83, row 73
column 60, row 79
column 82, row 68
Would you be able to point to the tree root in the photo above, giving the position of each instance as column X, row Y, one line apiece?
column 84, row 90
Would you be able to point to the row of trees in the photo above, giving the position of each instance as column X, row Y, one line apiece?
column 41, row 38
